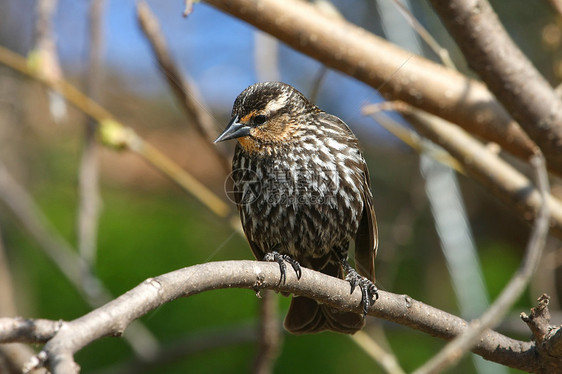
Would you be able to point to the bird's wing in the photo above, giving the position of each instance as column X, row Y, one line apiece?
column 238, row 198
column 366, row 239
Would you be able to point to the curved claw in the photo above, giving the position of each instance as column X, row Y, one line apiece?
column 368, row 288
column 294, row 263
column 275, row 256
column 368, row 291
column 352, row 279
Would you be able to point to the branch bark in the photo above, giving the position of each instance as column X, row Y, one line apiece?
column 499, row 178
column 396, row 73
column 112, row 318
column 506, row 71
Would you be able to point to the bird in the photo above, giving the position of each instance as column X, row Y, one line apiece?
column 302, row 188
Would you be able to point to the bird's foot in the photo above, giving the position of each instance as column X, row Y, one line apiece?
column 275, row 256
column 369, row 292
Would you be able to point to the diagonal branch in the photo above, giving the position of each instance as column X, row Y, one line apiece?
column 182, row 86
column 500, row 179
column 519, row 87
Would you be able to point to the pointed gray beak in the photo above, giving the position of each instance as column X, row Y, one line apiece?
column 234, row 130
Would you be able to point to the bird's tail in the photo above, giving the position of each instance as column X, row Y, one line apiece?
column 307, row 316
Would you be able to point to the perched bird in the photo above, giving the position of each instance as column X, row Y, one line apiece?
column 303, row 192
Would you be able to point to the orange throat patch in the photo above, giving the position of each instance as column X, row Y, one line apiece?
column 249, row 144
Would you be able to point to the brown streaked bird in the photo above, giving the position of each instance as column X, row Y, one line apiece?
column 302, row 188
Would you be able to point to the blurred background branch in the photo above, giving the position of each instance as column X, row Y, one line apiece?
column 88, row 174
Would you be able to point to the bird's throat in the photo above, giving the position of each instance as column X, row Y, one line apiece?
column 249, row 144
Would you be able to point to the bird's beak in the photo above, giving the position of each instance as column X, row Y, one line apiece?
column 234, row 130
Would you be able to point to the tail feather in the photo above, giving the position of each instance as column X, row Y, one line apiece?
column 307, row 316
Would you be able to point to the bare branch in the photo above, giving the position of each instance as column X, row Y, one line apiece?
column 386, row 359
column 44, row 54
column 112, row 318
column 507, row 72
column 374, row 61
column 116, row 135
column 182, row 86
column 501, row 179
column 511, row 292
column 269, row 335
column 443, row 53
column 88, row 189
column 28, row 330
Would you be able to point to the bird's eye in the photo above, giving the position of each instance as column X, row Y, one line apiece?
column 260, row 119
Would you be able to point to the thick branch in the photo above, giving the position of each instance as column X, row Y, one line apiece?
column 114, row 317
column 500, row 179
column 396, row 73
column 507, row 72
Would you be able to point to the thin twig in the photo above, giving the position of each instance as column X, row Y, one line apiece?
column 45, row 54
column 88, row 176
column 507, row 72
column 501, row 179
column 118, row 136
column 455, row 350
column 269, row 334
column 115, row 134
column 316, row 83
column 443, row 53
column 266, row 57
column 377, row 352
column 188, row 7
column 407, row 135
column 115, row 316
column 182, row 86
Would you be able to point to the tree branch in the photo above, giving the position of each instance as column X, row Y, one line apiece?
column 269, row 334
column 506, row 71
column 182, row 86
column 396, row 73
column 88, row 172
column 500, row 179
column 112, row 318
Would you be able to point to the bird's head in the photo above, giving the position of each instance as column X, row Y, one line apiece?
column 267, row 116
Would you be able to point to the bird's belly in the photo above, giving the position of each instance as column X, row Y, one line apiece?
column 303, row 220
